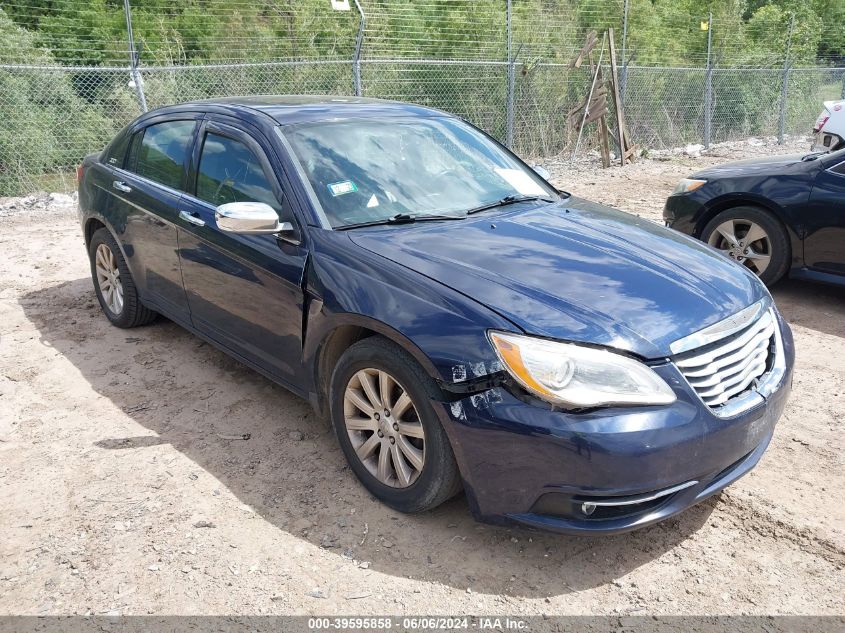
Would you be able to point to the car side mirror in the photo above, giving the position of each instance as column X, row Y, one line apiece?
column 251, row 218
column 541, row 171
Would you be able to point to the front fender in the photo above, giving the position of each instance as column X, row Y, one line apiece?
column 444, row 330
column 719, row 203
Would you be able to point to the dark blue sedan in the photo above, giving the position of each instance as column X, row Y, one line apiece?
column 464, row 324
column 776, row 215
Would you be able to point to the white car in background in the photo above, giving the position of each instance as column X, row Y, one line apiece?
column 829, row 130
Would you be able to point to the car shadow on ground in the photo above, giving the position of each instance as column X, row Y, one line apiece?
column 819, row 307
column 189, row 394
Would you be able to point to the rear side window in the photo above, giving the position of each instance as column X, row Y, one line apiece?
column 162, row 152
column 229, row 171
column 839, row 169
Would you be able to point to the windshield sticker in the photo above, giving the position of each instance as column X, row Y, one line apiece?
column 521, row 181
column 373, row 202
column 342, row 187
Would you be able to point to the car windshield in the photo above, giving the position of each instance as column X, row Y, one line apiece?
column 369, row 170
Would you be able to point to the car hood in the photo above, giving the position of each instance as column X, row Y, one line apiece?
column 576, row 271
column 764, row 165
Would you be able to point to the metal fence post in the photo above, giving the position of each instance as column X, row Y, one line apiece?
column 133, row 59
column 784, row 88
column 623, row 80
column 511, row 77
column 356, row 59
column 708, row 85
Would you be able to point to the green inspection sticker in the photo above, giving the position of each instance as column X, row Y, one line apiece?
column 342, row 187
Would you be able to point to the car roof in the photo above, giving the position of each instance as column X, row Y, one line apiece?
column 289, row 109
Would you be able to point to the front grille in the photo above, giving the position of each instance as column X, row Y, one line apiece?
column 729, row 367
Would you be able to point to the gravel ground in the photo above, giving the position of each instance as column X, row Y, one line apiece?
column 122, row 492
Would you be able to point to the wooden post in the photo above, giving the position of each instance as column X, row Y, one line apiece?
column 589, row 100
column 620, row 114
column 604, row 143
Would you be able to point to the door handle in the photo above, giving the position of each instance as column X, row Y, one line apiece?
column 121, row 186
column 191, row 218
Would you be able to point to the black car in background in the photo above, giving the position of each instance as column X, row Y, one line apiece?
column 775, row 215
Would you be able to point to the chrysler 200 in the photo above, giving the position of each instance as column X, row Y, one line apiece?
column 464, row 324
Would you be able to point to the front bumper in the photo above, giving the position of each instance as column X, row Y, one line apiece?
column 683, row 212
column 527, row 464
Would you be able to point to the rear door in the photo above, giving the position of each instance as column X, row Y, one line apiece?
column 146, row 191
column 244, row 291
column 824, row 220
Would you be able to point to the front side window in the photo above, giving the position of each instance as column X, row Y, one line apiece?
column 368, row 170
column 230, row 172
column 162, row 152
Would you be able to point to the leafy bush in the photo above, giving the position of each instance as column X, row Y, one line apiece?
column 46, row 124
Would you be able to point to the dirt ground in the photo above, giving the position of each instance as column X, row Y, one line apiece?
column 120, row 492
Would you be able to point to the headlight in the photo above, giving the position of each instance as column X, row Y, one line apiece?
column 575, row 376
column 688, row 184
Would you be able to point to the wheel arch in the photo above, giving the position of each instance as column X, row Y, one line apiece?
column 327, row 346
column 719, row 205
column 95, row 222
column 796, row 250
column 92, row 225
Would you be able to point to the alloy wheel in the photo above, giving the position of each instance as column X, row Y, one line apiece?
column 745, row 242
column 384, row 427
column 108, row 278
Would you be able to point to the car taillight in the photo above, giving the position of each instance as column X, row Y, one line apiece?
column 823, row 117
column 80, row 171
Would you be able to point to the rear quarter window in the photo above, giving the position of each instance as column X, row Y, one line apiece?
column 116, row 151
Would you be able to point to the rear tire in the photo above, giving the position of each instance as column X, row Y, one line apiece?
column 113, row 283
column 767, row 252
column 381, row 407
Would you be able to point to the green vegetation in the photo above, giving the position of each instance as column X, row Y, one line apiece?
column 53, row 117
column 661, row 32
column 45, row 120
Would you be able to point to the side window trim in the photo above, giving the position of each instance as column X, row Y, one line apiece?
column 837, row 169
column 132, row 150
column 283, row 189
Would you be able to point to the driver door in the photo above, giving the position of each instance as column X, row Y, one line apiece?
column 824, row 244
column 244, row 291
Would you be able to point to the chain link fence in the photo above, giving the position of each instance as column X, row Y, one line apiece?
column 505, row 69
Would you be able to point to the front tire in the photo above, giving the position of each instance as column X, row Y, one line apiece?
column 752, row 237
column 113, row 283
column 381, row 408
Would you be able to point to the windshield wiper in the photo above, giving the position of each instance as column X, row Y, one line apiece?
column 400, row 218
column 503, row 202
